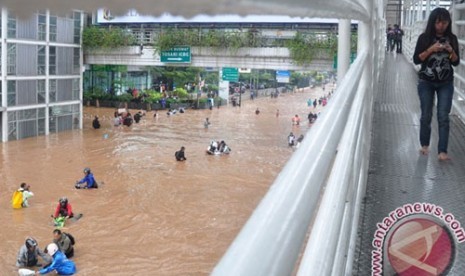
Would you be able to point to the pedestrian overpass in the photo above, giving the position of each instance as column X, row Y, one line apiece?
column 253, row 58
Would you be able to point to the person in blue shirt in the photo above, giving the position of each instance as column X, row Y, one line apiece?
column 88, row 179
column 60, row 263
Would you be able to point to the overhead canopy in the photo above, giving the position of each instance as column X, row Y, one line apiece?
column 344, row 9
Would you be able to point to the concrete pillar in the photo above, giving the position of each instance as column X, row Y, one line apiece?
column 343, row 49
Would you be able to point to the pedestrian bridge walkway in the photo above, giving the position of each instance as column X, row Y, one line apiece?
column 398, row 175
column 382, row 208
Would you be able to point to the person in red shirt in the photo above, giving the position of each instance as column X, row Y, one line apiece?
column 296, row 120
column 63, row 209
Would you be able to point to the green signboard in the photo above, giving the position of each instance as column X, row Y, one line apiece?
column 230, row 74
column 177, row 54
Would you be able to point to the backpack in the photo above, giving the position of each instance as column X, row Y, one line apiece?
column 71, row 238
column 17, row 200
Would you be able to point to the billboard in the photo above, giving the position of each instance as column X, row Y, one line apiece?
column 283, row 76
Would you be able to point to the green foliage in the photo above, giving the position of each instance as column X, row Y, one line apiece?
column 171, row 101
column 300, row 49
column 152, row 96
column 124, row 98
column 180, row 93
column 213, row 87
column 87, row 95
column 94, row 37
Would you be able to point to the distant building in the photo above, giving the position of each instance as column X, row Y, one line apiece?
column 40, row 74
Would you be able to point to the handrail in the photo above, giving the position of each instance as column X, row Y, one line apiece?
column 272, row 238
column 333, row 220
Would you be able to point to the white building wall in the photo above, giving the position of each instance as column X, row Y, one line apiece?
column 41, row 74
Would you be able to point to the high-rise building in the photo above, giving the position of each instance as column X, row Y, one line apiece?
column 40, row 73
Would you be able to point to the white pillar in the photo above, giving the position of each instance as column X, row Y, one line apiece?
column 3, row 53
column 343, row 49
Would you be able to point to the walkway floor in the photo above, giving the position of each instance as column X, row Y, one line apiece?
column 399, row 175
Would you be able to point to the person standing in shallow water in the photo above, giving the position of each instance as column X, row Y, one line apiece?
column 436, row 51
column 180, row 155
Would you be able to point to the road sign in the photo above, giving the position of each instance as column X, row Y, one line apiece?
column 230, row 74
column 177, row 54
column 283, row 76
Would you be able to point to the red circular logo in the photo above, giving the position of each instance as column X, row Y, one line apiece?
column 420, row 247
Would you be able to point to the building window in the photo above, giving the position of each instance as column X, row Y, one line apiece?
column 52, row 91
column 76, row 60
column 11, row 59
column 11, row 92
column 77, row 27
column 41, row 91
column 53, row 28
column 40, row 60
column 52, row 61
column 11, row 26
column 76, row 89
column 42, row 30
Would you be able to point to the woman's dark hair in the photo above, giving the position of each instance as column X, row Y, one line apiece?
column 440, row 14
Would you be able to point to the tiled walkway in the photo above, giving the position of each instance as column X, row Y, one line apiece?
column 399, row 175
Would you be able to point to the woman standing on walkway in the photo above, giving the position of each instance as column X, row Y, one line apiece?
column 436, row 51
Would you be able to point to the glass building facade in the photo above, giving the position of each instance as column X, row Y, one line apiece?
column 40, row 74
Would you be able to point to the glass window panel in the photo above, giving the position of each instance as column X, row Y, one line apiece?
column 11, row 25
column 11, row 59
column 11, row 93
column 41, row 91
column 52, row 90
column 52, row 61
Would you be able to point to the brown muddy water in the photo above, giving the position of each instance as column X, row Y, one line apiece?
column 152, row 215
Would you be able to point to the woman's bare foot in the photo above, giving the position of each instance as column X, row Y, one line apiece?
column 443, row 156
column 424, row 150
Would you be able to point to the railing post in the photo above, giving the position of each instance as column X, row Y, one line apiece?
column 343, row 49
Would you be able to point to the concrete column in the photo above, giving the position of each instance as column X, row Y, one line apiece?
column 343, row 49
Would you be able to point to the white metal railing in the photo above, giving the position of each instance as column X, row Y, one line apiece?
column 271, row 240
column 459, row 72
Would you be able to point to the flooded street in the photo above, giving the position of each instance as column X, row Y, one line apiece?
column 152, row 215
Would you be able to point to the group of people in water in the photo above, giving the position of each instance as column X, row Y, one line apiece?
column 216, row 148
column 56, row 255
column 293, row 142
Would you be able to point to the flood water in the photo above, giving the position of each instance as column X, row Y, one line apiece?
column 152, row 215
